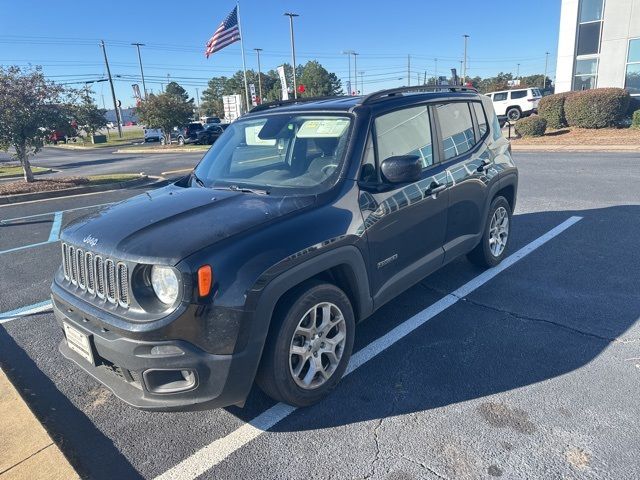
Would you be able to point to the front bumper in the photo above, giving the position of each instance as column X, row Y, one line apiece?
column 131, row 370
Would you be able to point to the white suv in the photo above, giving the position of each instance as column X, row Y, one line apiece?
column 515, row 104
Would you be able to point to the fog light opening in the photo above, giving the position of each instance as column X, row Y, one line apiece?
column 169, row 381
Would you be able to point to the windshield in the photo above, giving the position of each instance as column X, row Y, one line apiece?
column 280, row 153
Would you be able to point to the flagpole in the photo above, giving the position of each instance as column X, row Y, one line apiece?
column 244, row 64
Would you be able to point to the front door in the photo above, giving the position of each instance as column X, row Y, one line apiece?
column 405, row 224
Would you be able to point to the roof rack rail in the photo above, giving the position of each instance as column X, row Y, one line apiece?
column 418, row 88
column 280, row 103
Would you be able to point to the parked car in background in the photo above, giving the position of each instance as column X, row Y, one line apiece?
column 210, row 120
column 209, row 134
column 515, row 104
column 302, row 220
column 152, row 134
column 186, row 135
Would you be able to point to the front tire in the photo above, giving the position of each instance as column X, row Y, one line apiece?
column 309, row 345
column 493, row 245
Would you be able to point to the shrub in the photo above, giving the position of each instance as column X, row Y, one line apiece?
column 533, row 126
column 635, row 120
column 598, row 108
column 551, row 108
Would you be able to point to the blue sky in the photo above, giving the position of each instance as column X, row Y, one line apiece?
column 63, row 37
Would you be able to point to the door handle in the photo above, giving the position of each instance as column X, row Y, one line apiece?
column 435, row 188
column 484, row 166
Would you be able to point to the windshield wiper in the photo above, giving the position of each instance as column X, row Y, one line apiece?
column 236, row 188
column 198, row 180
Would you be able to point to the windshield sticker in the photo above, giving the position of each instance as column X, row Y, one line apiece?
column 333, row 127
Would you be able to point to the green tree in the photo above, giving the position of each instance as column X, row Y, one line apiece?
column 174, row 88
column 86, row 113
column 318, row 81
column 165, row 111
column 31, row 108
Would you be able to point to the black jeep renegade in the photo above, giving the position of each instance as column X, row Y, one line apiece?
column 301, row 220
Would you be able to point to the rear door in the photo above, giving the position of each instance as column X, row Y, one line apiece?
column 500, row 103
column 462, row 129
column 405, row 224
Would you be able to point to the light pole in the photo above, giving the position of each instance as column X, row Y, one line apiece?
column 436, row 70
column 518, row 71
column 258, row 50
column 293, row 52
column 361, row 83
column 355, row 70
column 546, row 64
column 464, row 68
column 144, row 85
column 348, row 53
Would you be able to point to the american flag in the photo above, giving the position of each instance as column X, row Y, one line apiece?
column 227, row 33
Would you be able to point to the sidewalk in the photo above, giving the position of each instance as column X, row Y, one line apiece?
column 516, row 146
column 27, row 449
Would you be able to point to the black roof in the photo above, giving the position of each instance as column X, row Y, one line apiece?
column 347, row 103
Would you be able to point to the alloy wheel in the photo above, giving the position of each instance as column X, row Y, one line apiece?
column 498, row 231
column 317, row 345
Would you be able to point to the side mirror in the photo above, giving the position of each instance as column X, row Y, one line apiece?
column 402, row 169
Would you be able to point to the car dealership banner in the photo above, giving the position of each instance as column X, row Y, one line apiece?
column 283, row 81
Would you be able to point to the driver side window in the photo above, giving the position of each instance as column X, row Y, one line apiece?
column 405, row 132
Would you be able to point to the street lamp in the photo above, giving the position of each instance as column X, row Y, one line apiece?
column 464, row 68
column 258, row 50
column 293, row 52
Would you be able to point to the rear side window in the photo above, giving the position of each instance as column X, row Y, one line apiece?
column 456, row 128
column 405, row 132
column 481, row 117
column 518, row 94
column 499, row 97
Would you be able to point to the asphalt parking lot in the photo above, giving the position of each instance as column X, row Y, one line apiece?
column 530, row 372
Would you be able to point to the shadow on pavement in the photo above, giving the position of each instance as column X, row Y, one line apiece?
column 546, row 316
column 70, row 428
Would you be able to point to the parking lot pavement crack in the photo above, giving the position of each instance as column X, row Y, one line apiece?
column 544, row 320
column 425, row 466
column 376, row 457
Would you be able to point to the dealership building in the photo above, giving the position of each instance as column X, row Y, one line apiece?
column 599, row 45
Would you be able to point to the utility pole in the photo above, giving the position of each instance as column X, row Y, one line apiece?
column 293, row 52
column 464, row 67
column 198, row 102
column 355, row 70
column 258, row 50
column 113, row 92
column 348, row 54
column 168, row 79
column 144, row 85
column 408, row 70
column 518, row 71
column 361, row 83
column 436, row 70
column 424, row 81
column 546, row 64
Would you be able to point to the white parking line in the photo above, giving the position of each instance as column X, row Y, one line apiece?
column 16, row 219
column 24, row 311
column 24, row 247
column 217, row 451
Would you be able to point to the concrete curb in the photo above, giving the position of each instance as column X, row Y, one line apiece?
column 13, row 177
column 27, row 197
column 575, row 148
column 158, row 150
column 27, row 449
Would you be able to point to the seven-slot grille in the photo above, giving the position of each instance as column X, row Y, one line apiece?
column 99, row 276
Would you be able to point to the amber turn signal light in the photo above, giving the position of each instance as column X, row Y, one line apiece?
column 205, row 280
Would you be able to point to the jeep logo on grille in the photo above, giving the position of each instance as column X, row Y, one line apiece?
column 89, row 240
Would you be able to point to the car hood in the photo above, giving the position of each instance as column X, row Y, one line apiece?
column 171, row 223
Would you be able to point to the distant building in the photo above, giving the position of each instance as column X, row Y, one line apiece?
column 128, row 115
column 599, row 45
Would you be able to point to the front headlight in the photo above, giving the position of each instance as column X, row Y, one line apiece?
column 165, row 283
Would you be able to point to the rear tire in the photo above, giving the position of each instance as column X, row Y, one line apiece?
column 514, row 114
column 493, row 245
column 309, row 345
